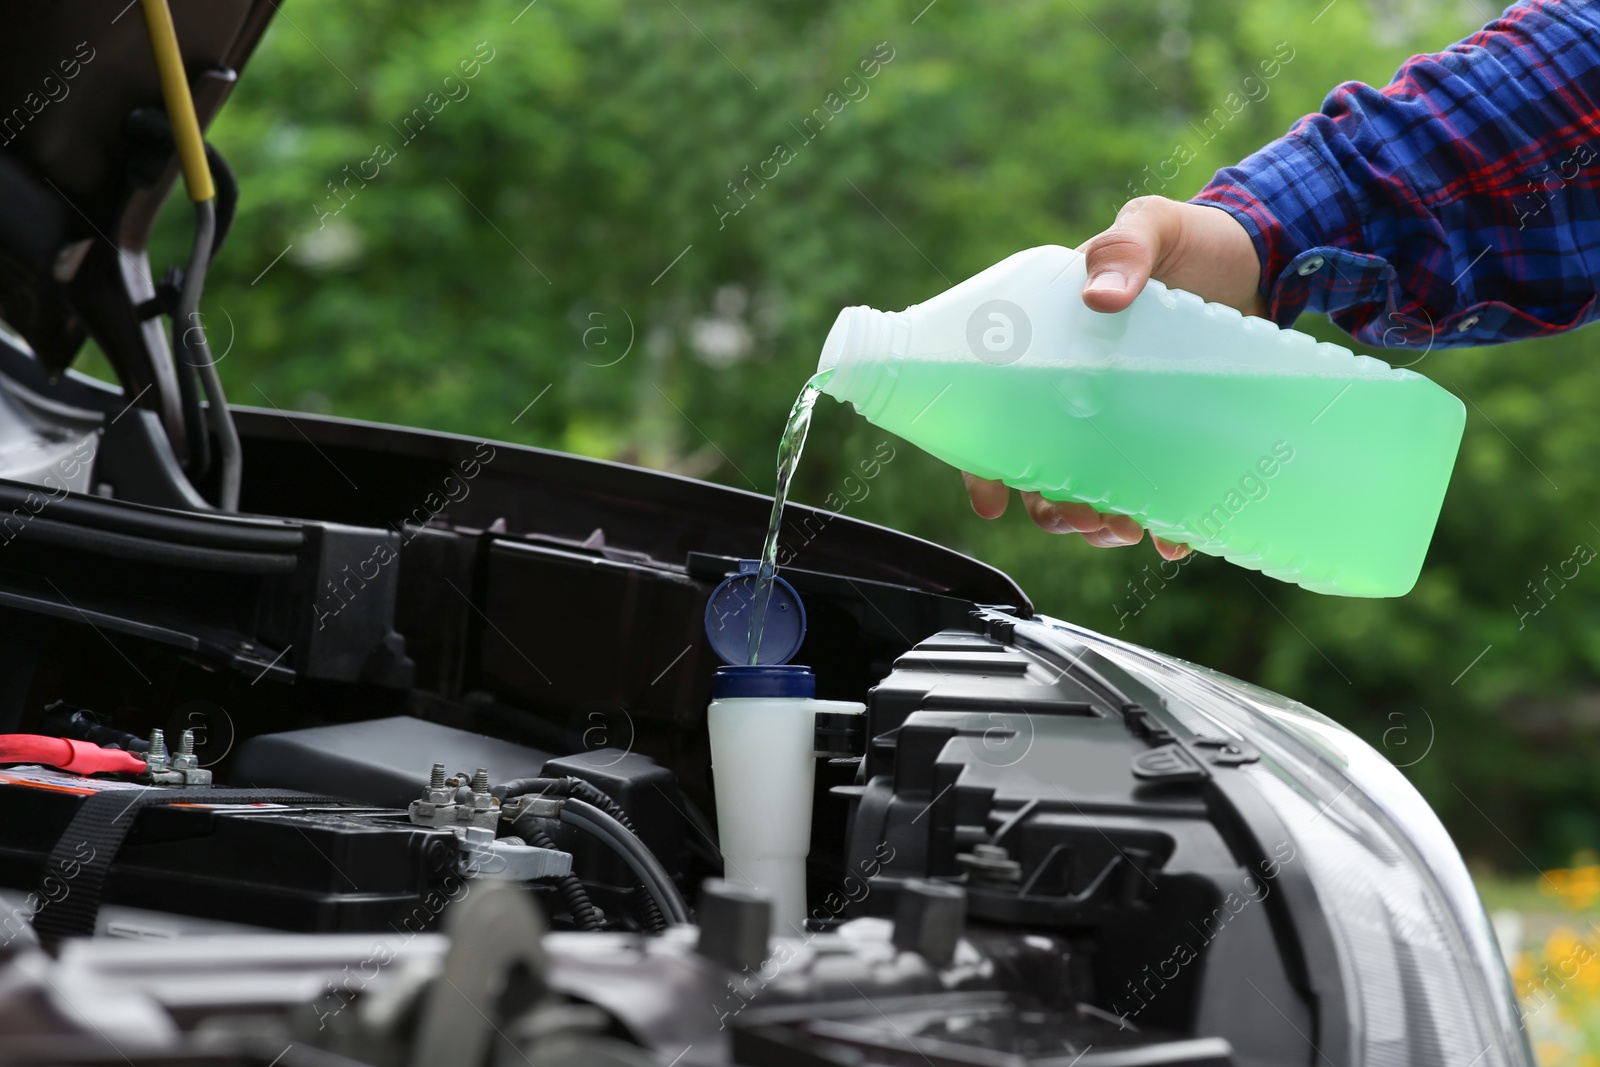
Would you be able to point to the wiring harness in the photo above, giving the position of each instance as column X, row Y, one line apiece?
column 587, row 808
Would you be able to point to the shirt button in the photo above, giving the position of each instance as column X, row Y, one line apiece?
column 1311, row 266
column 1467, row 323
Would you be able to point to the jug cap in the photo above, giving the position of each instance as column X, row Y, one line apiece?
column 728, row 612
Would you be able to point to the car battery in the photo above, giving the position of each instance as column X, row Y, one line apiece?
column 277, row 859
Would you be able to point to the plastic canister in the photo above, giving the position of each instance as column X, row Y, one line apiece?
column 763, row 749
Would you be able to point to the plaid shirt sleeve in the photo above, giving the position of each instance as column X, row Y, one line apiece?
column 1458, row 205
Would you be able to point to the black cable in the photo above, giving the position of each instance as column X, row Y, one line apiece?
column 566, row 787
column 517, row 787
column 639, row 898
column 213, row 531
column 626, row 844
column 645, row 910
column 152, row 551
column 193, row 337
column 61, row 719
column 649, row 904
column 196, row 437
column 570, row 887
column 705, row 847
column 227, row 197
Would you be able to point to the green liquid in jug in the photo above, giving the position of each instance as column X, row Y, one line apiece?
column 1246, row 460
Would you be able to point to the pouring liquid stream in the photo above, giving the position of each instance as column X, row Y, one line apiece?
column 790, row 446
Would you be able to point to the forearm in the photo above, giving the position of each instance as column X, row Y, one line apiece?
column 1459, row 205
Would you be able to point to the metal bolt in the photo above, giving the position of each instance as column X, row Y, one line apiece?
column 436, row 779
column 990, row 864
column 186, row 743
column 158, row 747
column 480, row 780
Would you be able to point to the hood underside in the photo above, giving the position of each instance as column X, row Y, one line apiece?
column 86, row 160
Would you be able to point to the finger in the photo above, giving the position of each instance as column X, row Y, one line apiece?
column 1171, row 549
column 1104, row 538
column 1119, row 261
column 988, row 498
column 1067, row 517
column 1061, row 517
column 1123, row 528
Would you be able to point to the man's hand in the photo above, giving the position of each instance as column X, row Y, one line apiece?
column 1187, row 246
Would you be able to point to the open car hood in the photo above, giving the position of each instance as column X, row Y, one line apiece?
column 86, row 159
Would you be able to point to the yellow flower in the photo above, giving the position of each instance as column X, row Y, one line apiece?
column 1589, row 973
column 1561, row 953
column 1578, row 886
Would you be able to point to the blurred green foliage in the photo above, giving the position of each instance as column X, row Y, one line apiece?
column 571, row 202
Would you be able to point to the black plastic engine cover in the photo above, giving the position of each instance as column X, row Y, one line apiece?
column 1061, row 799
column 381, row 761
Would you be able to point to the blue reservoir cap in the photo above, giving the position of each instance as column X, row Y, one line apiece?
column 728, row 612
column 772, row 680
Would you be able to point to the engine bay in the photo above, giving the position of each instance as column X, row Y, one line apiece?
column 455, row 724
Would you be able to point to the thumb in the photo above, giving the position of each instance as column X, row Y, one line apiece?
column 1120, row 260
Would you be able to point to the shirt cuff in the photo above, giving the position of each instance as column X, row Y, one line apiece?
column 1304, row 223
column 1361, row 293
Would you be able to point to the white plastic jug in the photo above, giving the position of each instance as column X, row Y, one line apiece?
column 1211, row 428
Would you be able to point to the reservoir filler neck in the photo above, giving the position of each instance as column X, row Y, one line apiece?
column 789, row 680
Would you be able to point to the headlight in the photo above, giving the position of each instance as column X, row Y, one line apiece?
column 1424, row 979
